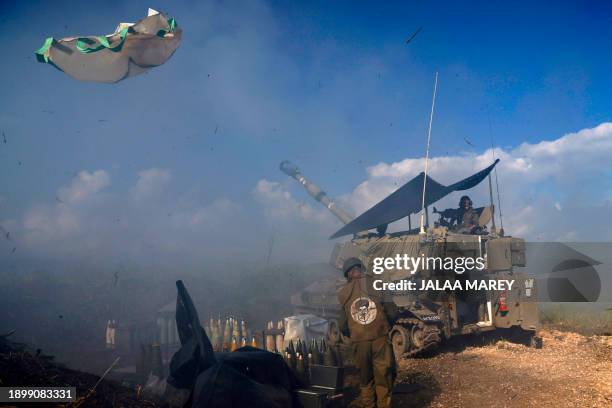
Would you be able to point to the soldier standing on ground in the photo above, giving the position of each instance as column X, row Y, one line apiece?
column 366, row 320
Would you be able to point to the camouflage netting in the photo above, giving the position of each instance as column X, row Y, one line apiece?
column 408, row 199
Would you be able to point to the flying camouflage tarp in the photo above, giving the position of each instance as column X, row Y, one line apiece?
column 131, row 50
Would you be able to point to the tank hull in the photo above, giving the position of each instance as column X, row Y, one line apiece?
column 428, row 318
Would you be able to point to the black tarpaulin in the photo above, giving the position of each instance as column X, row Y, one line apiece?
column 248, row 377
column 406, row 200
column 196, row 352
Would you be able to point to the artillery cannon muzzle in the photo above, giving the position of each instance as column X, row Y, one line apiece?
column 314, row 191
column 289, row 168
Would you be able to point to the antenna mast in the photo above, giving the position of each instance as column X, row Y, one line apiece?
column 501, row 216
column 433, row 104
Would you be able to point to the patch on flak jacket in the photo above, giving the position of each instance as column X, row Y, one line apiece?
column 363, row 310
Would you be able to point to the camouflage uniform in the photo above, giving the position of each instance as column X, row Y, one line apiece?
column 467, row 218
column 470, row 219
column 366, row 319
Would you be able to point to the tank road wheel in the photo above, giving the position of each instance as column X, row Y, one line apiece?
column 417, row 337
column 424, row 337
column 400, row 340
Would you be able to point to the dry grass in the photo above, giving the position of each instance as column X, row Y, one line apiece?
column 583, row 319
column 571, row 370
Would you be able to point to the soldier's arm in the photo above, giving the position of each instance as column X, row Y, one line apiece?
column 391, row 311
column 343, row 323
column 476, row 219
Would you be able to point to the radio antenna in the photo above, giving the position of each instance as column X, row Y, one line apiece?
column 501, row 217
column 433, row 104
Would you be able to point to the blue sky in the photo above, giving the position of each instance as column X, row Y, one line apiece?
column 332, row 87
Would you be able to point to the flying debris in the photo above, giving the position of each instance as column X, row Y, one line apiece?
column 468, row 142
column 413, row 35
column 132, row 49
column 7, row 234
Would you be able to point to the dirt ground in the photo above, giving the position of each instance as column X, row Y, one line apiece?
column 570, row 370
column 22, row 368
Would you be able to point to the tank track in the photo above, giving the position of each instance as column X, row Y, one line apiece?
column 422, row 336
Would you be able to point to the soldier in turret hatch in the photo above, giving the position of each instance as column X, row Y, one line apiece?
column 366, row 319
column 467, row 217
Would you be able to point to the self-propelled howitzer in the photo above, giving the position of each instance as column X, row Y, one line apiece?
column 429, row 317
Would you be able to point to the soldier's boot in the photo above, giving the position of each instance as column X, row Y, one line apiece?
column 384, row 371
column 357, row 403
column 383, row 397
column 367, row 395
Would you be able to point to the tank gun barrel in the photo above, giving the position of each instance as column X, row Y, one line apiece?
column 314, row 191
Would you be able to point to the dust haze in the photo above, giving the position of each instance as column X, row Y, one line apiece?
column 104, row 205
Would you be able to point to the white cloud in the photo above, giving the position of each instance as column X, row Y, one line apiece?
column 219, row 210
column 533, row 179
column 84, row 185
column 44, row 224
column 51, row 222
column 151, row 182
column 300, row 229
column 125, row 223
column 279, row 204
column 537, row 183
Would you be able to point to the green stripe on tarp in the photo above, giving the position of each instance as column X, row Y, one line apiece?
column 171, row 27
column 42, row 54
column 171, row 24
column 86, row 44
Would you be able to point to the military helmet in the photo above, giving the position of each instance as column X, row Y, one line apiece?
column 350, row 264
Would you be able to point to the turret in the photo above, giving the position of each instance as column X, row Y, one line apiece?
column 315, row 192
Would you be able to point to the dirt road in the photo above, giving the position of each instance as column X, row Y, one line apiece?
column 570, row 370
